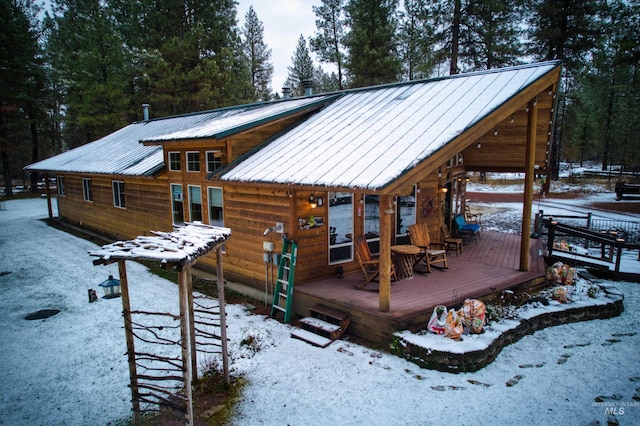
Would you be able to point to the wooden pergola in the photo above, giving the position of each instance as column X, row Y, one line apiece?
column 179, row 250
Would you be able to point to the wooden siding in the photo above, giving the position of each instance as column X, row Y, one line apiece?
column 146, row 205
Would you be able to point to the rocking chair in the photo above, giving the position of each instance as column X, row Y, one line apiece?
column 419, row 235
column 370, row 265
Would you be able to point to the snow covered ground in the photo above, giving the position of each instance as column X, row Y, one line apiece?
column 70, row 369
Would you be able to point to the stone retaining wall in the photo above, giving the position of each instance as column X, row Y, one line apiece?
column 435, row 359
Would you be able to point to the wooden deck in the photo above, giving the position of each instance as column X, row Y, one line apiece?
column 484, row 268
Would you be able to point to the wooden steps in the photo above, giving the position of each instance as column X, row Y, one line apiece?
column 323, row 326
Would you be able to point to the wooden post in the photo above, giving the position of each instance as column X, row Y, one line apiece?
column 530, row 161
column 128, row 329
column 48, row 191
column 183, row 289
column 192, row 325
column 223, row 317
column 386, row 216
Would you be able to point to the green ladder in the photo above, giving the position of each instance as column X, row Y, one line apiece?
column 283, row 294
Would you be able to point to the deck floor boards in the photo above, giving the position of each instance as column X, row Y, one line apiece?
column 486, row 267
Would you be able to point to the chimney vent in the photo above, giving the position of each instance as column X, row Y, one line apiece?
column 145, row 112
column 308, row 86
column 286, row 92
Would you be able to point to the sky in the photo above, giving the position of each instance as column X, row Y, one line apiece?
column 283, row 23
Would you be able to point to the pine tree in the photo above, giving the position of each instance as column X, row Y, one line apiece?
column 22, row 80
column 85, row 50
column 373, row 52
column 301, row 68
column 416, row 40
column 328, row 41
column 258, row 55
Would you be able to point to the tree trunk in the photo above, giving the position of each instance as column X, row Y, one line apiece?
column 455, row 37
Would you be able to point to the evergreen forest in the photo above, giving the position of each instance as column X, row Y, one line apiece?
column 73, row 71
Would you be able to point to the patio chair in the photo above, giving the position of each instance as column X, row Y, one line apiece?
column 419, row 235
column 369, row 264
column 470, row 229
column 472, row 218
column 449, row 241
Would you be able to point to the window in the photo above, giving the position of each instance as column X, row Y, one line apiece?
column 86, row 189
column 193, row 161
column 60, row 180
column 216, row 217
column 174, row 162
column 118, row 194
column 405, row 216
column 372, row 222
column 195, row 203
column 340, row 227
column 177, row 210
column 214, row 160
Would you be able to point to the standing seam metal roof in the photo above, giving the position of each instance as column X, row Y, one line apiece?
column 122, row 153
column 367, row 138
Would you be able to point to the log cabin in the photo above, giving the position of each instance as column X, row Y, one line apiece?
column 321, row 169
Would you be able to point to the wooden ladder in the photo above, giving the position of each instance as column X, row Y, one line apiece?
column 323, row 326
column 283, row 294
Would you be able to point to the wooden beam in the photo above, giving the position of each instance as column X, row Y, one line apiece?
column 386, row 204
column 192, row 325
column 183, row 289
column 128, row 329
column 528, row 185
column 48, row 191
column 223, row 316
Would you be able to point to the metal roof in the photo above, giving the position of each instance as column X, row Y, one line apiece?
column 367, row 138
column 122, row 153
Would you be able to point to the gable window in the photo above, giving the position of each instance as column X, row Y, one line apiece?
column 60, row 181
column 177, row 209
column 118, row 194
column 195, row 203
column 340, row 227
column 216, row 217
column 86, row 189
column 174, row 162
column 193, row 161
column 214, row 160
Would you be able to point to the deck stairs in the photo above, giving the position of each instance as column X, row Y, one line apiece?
column 283, row 294
column 322, row 327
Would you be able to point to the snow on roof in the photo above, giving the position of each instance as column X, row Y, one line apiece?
column 367, row 138
column 184, row 245
column 121, row 152
column 231, row 124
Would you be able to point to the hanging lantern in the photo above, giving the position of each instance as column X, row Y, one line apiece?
column 111, row 287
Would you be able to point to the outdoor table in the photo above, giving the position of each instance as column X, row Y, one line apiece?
column 404, row 257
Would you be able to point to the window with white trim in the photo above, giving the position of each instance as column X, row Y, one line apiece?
column 86, row 189
column 214, row 160
column 177, row 207
column 61, row 189
column 193, row 161
column 174, row 162
column 195, row 203
column 118, row 194
column 216, row 211
column 405, row 216
column 340, row 227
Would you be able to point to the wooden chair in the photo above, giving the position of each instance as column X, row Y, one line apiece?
column 419, row 235
column 464, row 228
column 449, row 241
column 369, row 264
column 472, row 218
